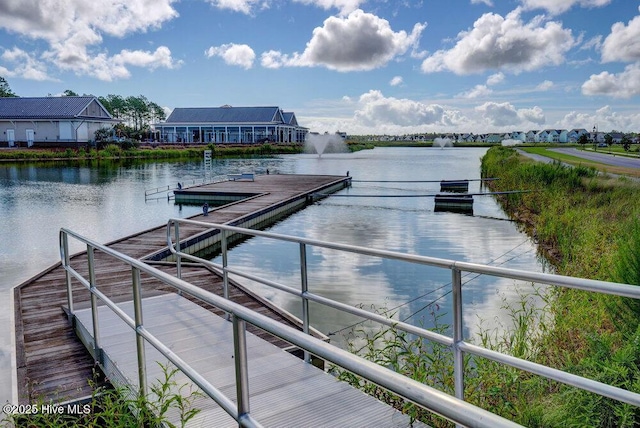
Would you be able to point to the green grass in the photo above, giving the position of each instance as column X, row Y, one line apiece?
column 119, row 407
column 578, row 161
column 587, row 226
column 114, row 151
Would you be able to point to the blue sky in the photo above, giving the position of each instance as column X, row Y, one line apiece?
column 360, row 66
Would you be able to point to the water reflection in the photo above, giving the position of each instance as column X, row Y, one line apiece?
column 106, row 202
column 414, row 293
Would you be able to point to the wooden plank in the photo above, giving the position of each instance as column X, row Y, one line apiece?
column 46, row 346
column 284, row 391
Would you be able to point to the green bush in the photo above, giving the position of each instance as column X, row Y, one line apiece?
column 587, row 224
column 120, row 407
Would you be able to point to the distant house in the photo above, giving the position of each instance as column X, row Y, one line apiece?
column 518, row 135
column 574, row 135
column 466, row 137
column 542, row 136
column 228, row 124
column 616, row 137
column 52, row 120
column 531, row 136
column 494, row 138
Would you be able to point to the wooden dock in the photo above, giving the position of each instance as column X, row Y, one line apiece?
column 284, row 391
column 51, row 361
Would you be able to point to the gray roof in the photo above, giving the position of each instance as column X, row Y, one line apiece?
column 226, row 114
column 290, row 118
column 46, row 107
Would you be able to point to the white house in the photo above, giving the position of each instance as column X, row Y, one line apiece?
column 228, row 124
column 52, row 121
column 574, row 135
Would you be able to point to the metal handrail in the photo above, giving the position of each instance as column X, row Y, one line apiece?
column 185, row 184
column 456, row 343
column 430, row 398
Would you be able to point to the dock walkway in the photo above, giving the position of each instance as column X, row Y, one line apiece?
column 52, row 363
column 283, row 389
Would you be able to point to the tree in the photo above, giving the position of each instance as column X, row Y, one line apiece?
column 608, row 139
column 5, row 90
column 626, row 143
column 583, row 139
column 69, row 93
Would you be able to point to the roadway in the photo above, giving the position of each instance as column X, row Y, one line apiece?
column 604, row 158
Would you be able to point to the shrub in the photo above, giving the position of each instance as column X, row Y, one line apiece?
column 119, row 407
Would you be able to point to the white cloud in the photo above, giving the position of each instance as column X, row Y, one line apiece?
column 557, row 7
column 233, row 54
column 73, row 29
column 496, row 43
column 545, row 86
column 360, row 41
column 57, row 22
column 605, row 118
column 477, row 92
column 109, row 68
column 486, row 2
column 506, row 115
column 622, row 44
column 622, row 85
column 161, row 57
column 376, row 110
column 495, row 79
column 274, row 59
column 27, row 66
column 593, row 43
column 397, row 80
column 374, row 113
column 248, row 7
column 242, row 6
column 532, row 115
column 345, row 6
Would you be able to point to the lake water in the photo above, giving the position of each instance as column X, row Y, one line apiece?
column 106, row 202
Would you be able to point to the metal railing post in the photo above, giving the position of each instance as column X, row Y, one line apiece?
column 458, row 357
column 64, row 238
column 94, row 303
column 304, row 287
column 225, row 261
column 242, row 365
column 137, row 307
column 178, row 257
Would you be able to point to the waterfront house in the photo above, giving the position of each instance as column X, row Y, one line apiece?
column 574, row 135
column 229, row 124
column 518, row 135
column 530, row 136
column 51, row 121
column 494, row 138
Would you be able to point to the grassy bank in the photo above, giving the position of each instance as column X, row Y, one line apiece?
column 587, row 226
column 115, row 151
column 579, row 161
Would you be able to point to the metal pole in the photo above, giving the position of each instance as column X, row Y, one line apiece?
column 225, row 262
column 242, row 365
column 94, row 303
column 458, row 357
column 65, row 250
column 179, row 249
column 137, row 306
column 304, row 285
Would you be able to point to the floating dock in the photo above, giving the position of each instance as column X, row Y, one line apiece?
column 454, row 186
column 53, row 364
column 454, row 203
